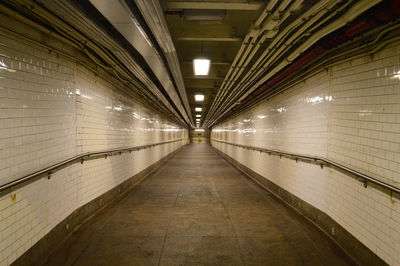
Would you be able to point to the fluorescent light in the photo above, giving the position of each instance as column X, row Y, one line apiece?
column 201, row 67
column 198, row 119
column 198, row 115
column 199, row 129
column 199, row 97
column 198, row 109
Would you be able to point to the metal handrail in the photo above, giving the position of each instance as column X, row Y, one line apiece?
column 321, row 161
column 48, row 171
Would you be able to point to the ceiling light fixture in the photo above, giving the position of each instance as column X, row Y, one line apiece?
column 198, row 109
column 199, row 97
column 198, row 115
column 201, row 67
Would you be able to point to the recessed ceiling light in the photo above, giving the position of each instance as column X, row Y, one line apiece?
column 198, row 119
column 198, row 109
column 201, row 67
column 199, row 97
column 198, row 115
column 199, row 129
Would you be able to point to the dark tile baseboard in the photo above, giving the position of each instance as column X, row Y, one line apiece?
column 356, row 250
column 39, row 252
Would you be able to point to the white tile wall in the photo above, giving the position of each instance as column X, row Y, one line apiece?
column 37, row 108
column 110, row 120
column 282, row 124
column 52, row 108
column 349, row 114
column 365, row 115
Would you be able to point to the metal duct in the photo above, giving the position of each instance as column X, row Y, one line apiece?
column 82, row 26
column 119, row 15
column 153, row 15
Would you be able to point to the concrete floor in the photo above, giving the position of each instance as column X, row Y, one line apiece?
column 198, row 210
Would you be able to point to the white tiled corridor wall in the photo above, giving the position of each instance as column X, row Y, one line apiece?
column 52, row 108
column 365, row 115
column 350, row 114
column 37, row 108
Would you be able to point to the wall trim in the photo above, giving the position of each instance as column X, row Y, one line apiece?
column 353, row 247
column 39, row 252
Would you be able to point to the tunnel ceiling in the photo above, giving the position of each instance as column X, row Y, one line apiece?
column 211, row 29
column 249, row 44
column 254, row 46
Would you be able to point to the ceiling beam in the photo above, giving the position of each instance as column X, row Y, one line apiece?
column 228, row 63
column 203, row 83
column 210, row 39
column 214, row 5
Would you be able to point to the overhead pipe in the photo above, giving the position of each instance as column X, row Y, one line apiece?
column 350, row 53
column 123, row 57
column 274, row 53
column 331, row 60
column 256, row 31
column 152, row 13
column 359, row 6
column 288, row 43
column 89, row 46
column 82, row 42
column 298, row 22
column 128, row 25
column 378, row 17
column 348, row 16
column 254, row 34
column 292, row 9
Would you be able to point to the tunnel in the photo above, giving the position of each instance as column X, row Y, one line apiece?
column 194, row 132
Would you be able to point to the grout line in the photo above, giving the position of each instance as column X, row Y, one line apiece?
column 169, row 223
column 229, row 217
column 234, row 231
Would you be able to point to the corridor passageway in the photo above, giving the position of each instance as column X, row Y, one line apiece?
column 198, row 132
column 197, row 209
